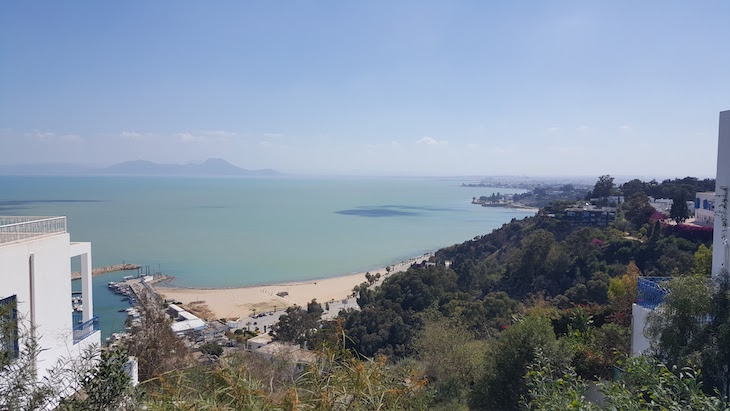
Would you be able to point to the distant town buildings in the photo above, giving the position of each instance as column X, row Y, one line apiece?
column 662, row 205
column 590, row 215
column 612, row 201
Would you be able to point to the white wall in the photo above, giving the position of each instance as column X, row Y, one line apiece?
column 721, row 248
column 51, row 296
column 639, row 341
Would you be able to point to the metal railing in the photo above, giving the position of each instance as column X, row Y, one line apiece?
column 650, row 291
column 77, row 317
column 22, row 228
column 85, row 329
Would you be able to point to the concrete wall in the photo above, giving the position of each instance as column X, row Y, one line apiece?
column 639, row 341
column 721, row 249
column 48, row 305
column 47, row 302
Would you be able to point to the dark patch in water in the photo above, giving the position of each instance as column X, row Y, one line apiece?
column 385, row 211
column 421, row 208
column 17, row 205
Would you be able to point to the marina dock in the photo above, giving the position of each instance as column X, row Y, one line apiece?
column 76, row 275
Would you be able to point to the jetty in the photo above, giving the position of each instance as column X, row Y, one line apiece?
column 76, row 275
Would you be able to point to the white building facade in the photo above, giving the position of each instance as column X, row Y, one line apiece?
column 720, row 247
column 35, row 278
column 704, row 206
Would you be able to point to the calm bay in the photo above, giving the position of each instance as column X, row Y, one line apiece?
column 228, row 232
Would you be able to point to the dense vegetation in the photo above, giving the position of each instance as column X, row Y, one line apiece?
column 688, row 187
column 535, row 285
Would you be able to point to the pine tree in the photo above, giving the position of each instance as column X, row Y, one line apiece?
column 679, row 211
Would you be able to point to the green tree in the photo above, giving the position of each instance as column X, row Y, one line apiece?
column 106, row 385
column 212, row 349
column 678, row 330
column 157, row 348
column 622, row 293
column 294, row 326
column 529, row 263
column 502, row 384
column 703, row 261
column 314, row 309
column 638, row 210
column 649, row 385
column 693, row 328
column 603, row 187
column 644, row 385
column 450, row 368
column 632, row 187
column 552, row 387
column 679, row 211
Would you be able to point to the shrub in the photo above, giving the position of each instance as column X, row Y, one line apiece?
column 502, row 384
column 212, row 349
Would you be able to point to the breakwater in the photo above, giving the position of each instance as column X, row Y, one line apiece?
column 75, row 275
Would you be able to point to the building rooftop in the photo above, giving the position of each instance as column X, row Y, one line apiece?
column 591, row 208
column 21, row 228
column 288, row 351
column 261, row 339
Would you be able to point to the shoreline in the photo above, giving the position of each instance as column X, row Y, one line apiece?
column 513, row 206
column 238, row 302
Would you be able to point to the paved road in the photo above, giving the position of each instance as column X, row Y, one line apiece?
column 269, row 319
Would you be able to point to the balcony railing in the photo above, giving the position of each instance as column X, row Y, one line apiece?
column 650, row 291
column 22, row 228
column 77, row 317
column 85, row 329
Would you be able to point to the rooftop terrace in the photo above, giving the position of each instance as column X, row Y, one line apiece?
column 20, row 228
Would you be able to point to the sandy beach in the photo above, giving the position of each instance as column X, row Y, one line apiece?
column 234, row 303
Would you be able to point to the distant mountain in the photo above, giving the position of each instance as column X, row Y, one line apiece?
column 211, row 166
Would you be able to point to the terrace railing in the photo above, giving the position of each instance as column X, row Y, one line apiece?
column 77, row 317
column 650, row 291
column 22, row 228
column 85, row 329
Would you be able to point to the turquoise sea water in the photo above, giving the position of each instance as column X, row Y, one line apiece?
column 225, row 232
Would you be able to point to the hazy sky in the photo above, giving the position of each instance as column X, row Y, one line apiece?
column 368, row 87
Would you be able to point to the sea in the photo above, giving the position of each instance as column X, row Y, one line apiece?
column 230, row 232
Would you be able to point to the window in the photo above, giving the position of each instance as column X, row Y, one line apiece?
column 9, row 328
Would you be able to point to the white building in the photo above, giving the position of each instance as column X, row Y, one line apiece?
column 35, row 276
column 650, row 291
column 704, row 206
column 720, row 250
column 183, row 321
